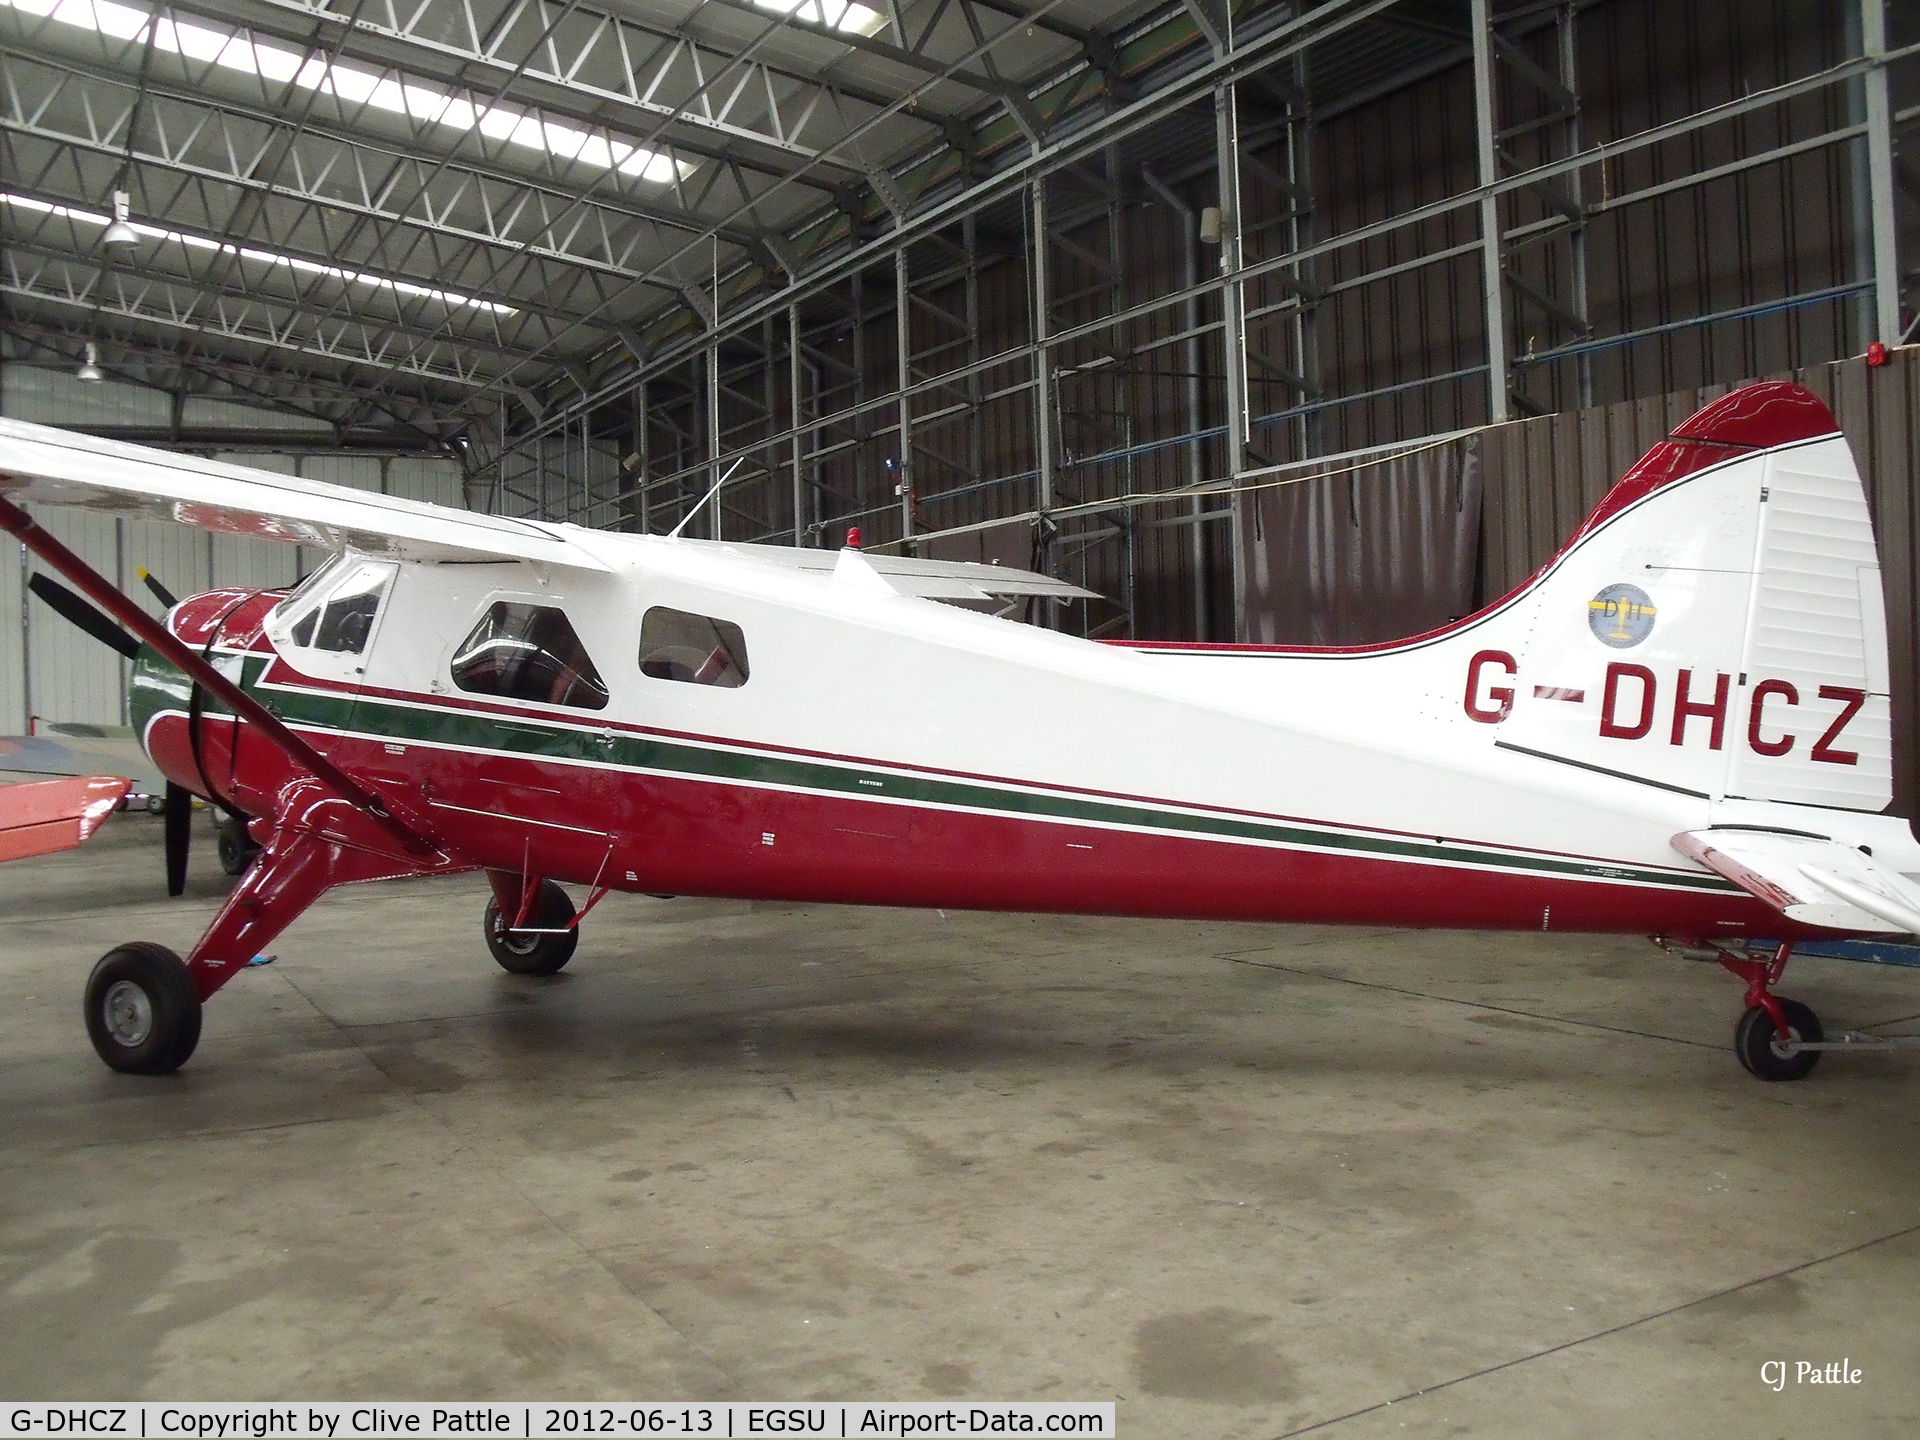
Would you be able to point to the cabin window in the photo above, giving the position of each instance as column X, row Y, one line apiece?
column 528, row 652
column 696, row 649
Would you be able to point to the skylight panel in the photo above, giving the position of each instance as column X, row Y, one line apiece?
column 416, row 101
column 833, row 14
column 267, row 257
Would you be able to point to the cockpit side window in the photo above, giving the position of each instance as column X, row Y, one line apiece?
column 528, row 652
column 344, row 623
column 301, row 604
column 335, row 608
column 696, row 649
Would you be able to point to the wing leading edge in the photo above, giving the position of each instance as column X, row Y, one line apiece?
column 58, row 467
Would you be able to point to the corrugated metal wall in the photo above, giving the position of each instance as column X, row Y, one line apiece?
column 51, row 672
column 1541, row 477
column 1746, row 239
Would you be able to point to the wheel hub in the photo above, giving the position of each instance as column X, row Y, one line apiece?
column 129, row 1014
column 515, row 942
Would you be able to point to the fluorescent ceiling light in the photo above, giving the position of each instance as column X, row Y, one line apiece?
column 834, row 14
column 263, row 257
column 361, row 87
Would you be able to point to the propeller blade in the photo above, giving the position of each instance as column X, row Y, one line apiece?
column 76, row 609
column 160, row 592
column 179, row 813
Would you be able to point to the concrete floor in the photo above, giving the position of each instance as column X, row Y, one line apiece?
column 1244, row 1180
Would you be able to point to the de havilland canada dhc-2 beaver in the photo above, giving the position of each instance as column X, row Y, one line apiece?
column 1678, row 727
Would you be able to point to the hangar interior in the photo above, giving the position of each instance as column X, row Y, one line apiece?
column 1274, row 322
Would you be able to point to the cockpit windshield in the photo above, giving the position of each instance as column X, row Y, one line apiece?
column 295, row 601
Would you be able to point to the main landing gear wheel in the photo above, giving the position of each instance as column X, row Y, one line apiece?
column 1758, row 1045
column 521, row 953
column 143, row 1009
column 237, row 849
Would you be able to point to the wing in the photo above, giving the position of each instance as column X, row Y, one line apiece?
column 57, row 467
column 50, row 815
column 963, row 579
column 904, row 574
column 1810, row 879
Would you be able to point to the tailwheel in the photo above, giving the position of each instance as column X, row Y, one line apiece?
column 546, row 942
column 143, row 1009
column 1756, row 1040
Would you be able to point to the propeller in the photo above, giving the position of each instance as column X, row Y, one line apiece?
column 75, row 608
column 179, row 821
column 160, row 592
column 70, row 605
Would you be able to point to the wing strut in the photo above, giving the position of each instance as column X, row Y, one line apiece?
column 22, row 525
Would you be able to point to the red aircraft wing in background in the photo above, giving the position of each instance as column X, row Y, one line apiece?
column 50, row 815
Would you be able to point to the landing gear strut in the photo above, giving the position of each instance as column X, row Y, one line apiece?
column 1771, row 1032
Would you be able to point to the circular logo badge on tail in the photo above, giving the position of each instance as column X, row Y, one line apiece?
column 1621, row 616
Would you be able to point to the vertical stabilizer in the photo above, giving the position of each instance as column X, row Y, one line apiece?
column 1716, row 626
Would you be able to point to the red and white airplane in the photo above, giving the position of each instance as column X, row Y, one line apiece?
column 1678, row 727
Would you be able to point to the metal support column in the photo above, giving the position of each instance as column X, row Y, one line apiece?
column 1233, row 315
column 1123, row 397
column 713, row 435
column 1190, row 322
column 1042, row 369
column 642, row 447
column 1302, row 220
column 976, row 441
column 1569, row 20
column 1496, row 322
column 903, row 376
column 862, row 454
column 26, row 645
column 1885, row 243
column 793, row 421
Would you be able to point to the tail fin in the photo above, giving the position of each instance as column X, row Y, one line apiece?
column 1717, row 625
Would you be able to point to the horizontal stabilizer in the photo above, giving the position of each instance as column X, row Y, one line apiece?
column 46, row 466
column 1810, row 879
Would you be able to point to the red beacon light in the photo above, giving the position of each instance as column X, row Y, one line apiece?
column 853, row 537
column 1876, row 354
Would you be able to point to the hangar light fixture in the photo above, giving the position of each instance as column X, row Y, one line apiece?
column 89, row 371
column 120, row 232
column 242, row 52
column 263, row 257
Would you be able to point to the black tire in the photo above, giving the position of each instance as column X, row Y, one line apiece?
column 534, row 954
column 236, row 846
column 1755, row 1043
column 143, row 1009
